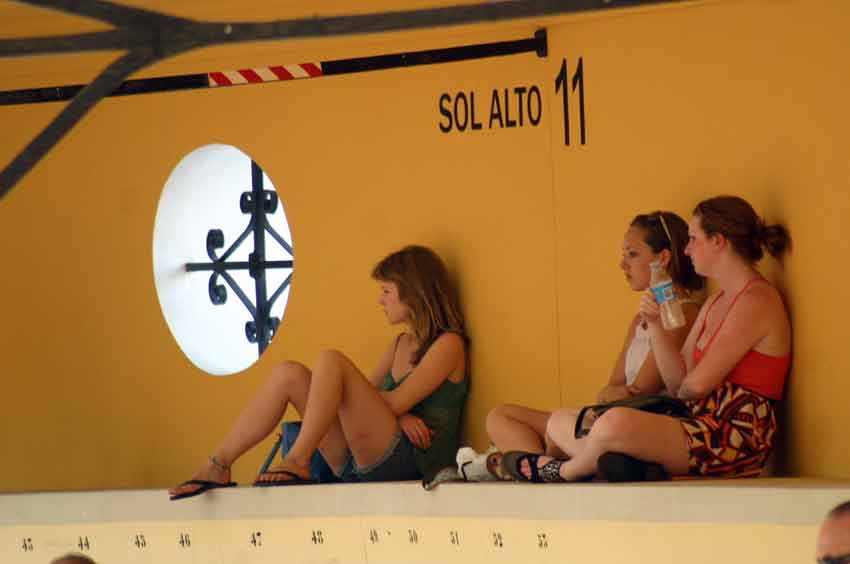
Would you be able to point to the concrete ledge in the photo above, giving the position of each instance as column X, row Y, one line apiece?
column 768, row 501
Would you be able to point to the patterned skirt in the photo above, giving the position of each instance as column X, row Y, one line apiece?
column 731, row 433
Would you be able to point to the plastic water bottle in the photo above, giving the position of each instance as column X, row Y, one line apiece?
column 661, row 285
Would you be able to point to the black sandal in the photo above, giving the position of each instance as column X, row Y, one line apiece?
column 203, row 486
column 282, row 478
column 549, row 473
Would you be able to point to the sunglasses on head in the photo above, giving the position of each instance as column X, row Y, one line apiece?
column 675, row 255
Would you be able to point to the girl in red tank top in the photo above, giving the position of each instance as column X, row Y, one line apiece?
column 728, row 385
column 733, row 426
column 758, row 372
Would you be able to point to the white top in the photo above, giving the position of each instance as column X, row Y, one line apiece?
column 636, row 353
column 639, row 348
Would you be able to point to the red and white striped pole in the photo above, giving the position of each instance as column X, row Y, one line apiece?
column 264, row 74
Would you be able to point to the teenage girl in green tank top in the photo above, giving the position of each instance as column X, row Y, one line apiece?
column 400, row 422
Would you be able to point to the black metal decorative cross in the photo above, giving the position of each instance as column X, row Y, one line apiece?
column 258, row 203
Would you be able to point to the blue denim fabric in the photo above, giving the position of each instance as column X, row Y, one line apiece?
column 397, row 463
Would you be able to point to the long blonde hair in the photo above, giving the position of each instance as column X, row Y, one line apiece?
column 424, row 286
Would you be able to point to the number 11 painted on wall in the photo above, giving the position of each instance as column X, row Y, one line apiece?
column 561, row 86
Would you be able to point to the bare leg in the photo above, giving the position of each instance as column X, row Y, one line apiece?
column 514, row 427
column 646, row 436
column 562, row 423
column 288, row 382
column 263, row 413
column 338, row 388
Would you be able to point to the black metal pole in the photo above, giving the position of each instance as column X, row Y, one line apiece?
column 258, row 257
column 258, row 203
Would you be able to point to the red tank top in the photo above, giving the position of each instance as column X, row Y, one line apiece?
column 757, row 372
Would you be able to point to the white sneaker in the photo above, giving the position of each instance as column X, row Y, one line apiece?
column 472, row 466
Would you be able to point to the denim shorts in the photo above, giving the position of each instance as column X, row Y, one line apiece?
column 397, row 463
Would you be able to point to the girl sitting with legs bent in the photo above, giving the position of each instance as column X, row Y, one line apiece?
column 399, row 423
column 656, row 237
column 730, row 371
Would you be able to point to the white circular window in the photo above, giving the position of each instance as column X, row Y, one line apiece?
column 222, row 258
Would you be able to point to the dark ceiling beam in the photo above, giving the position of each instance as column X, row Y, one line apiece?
column 118, row 15
column 149, row 37
column 113, row 40
column 88, row 97
column 144, row 26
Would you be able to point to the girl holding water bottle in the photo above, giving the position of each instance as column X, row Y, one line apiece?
column 730, row 372
column 656, row 240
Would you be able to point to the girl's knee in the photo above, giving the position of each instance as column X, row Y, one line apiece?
column 496, row 418
column 335, row 366
column 560, row 423
column 616, row 423
column 289, row 372
column 330, row 357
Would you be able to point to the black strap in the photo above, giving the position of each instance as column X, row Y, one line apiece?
column 397, row 339
column 578, row 432
column 395, row 351
column 658, row 404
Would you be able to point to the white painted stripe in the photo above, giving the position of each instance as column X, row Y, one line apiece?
column 296, row 71
column 235, row 77
column 266, row 74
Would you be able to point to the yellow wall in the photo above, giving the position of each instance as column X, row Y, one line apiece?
column 683, row 102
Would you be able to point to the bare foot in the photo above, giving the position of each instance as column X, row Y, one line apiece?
column 286, row 465
column 208, row 471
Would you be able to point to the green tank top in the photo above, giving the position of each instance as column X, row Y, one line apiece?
column 441, row 412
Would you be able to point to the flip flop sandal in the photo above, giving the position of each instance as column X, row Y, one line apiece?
column 618, row 467
column 494, row 467
column 546, row 474
column 205, row 485
column 287, row 478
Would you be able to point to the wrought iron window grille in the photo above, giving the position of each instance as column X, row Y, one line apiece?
column 258, row 203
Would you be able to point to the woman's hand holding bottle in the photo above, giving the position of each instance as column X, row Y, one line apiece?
column 650, row 311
